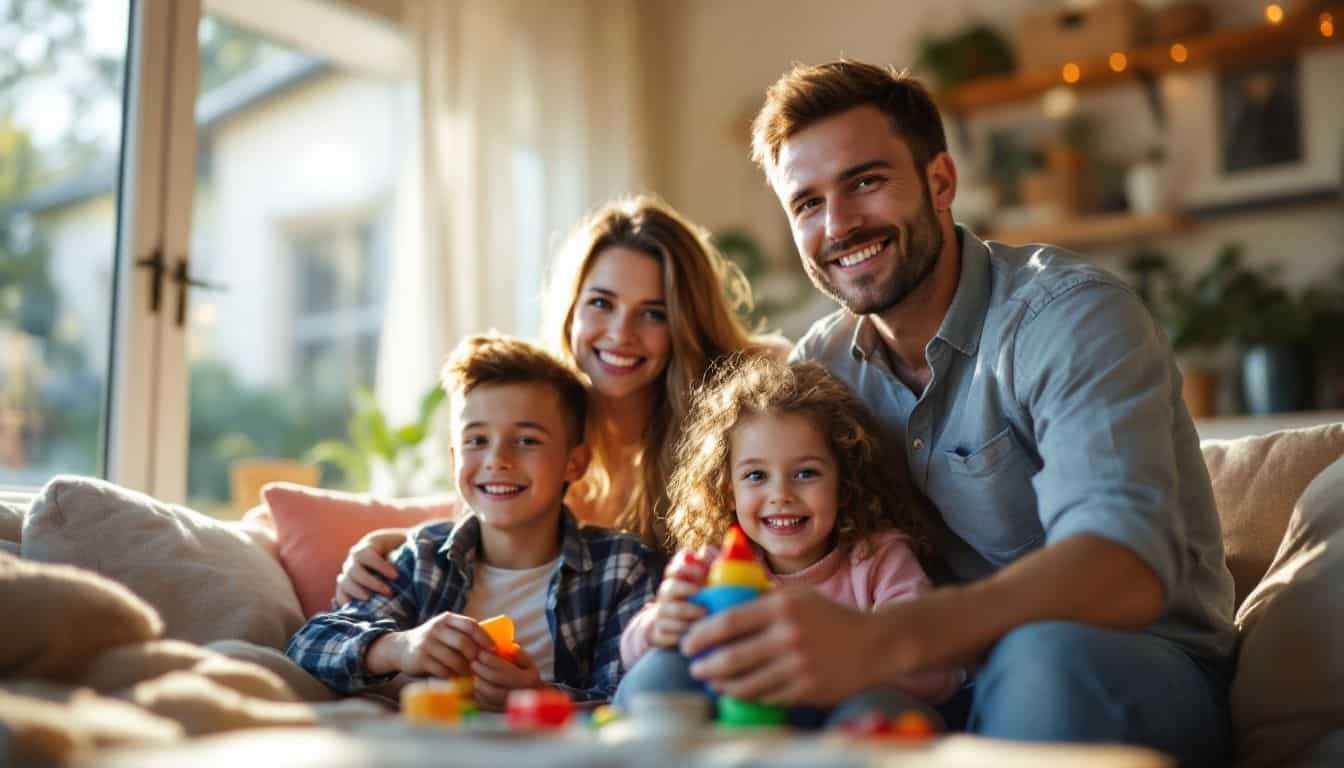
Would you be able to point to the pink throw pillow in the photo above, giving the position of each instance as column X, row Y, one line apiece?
column 315, row 530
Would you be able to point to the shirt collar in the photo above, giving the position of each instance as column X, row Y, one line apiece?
column 965, row 317
column 463, row 541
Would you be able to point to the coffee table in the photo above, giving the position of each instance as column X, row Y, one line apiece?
column 392, row 743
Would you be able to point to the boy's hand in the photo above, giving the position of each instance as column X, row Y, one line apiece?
column 442, row 647
column 673, row 614
column 495, row 677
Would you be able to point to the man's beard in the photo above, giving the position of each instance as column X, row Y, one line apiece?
column 913, row 266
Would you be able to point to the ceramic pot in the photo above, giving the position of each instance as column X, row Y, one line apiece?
column 1276, row 378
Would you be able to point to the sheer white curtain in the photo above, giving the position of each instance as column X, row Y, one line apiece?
column 531, row 113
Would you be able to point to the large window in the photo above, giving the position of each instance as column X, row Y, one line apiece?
column 63, row 69
column 299, row 160
column 269, row 179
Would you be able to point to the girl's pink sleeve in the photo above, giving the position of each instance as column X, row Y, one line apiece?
column 635, row 638
column 895, row 574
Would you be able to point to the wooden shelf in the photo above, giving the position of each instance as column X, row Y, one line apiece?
column 1094, row 230
column 1228, row 47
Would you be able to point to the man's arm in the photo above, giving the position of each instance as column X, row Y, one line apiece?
column 800, row 647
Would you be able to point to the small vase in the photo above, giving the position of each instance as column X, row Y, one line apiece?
column 1199, row 390
column 1143, row 187
column 1276, row 378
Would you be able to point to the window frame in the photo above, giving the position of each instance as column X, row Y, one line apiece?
column 146, row 435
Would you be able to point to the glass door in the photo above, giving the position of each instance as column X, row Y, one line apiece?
column 63, row 76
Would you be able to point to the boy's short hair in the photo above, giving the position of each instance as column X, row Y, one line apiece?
column 492, row 358
column 806, row 95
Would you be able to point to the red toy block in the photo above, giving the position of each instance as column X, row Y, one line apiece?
column 538, row 709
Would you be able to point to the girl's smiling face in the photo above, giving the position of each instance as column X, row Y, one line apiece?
column 619, row 331
column 785, row 487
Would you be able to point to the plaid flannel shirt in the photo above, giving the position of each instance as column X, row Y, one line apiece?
column 602, row 582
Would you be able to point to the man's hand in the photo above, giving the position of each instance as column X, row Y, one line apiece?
column 442, row 647
column 789, row 647
column 496, row 676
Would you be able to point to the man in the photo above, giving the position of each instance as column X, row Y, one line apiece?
column 1039, row 409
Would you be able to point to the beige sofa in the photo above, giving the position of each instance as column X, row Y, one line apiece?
column 216, row 583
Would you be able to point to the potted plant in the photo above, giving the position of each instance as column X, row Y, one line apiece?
column 1283, row 335
column 395, row 461
column 1193, row 314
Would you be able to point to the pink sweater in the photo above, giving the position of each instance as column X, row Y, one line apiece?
column 890, row 571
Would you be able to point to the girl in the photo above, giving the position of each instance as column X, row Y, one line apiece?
column 642, row 304
column 790, row 454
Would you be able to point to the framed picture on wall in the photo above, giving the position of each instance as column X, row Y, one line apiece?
column 1261, row 116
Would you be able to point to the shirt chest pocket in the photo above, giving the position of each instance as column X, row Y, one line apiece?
column 986, row 498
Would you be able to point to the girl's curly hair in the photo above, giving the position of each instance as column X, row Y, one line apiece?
column 874, row 495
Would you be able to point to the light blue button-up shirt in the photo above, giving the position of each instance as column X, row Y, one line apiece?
column 1054, row 410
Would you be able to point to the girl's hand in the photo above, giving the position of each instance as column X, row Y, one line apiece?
column 495, row 677
column 366, row 569
column 673, row 613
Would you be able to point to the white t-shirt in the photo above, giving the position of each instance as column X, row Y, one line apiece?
column 522, row 595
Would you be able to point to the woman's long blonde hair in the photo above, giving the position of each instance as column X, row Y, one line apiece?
column 704, row 292
column 873, row 494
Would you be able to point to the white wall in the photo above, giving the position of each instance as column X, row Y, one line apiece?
column 720, row 57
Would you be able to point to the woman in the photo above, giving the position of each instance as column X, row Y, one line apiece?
column 643, row 304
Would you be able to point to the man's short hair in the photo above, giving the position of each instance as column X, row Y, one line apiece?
column 808, row 94
column 496, row 359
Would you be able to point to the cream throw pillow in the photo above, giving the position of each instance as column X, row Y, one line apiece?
column 1256, row 481
column 11, row 522
column 209, row 580
column 1288, row 693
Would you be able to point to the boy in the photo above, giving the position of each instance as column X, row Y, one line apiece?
column 518, row 416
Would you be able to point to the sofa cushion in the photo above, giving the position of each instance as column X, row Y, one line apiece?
column 1256, row 481
column 1290, row 668
column 11, row 522
column 209, row 580
column 315, row 530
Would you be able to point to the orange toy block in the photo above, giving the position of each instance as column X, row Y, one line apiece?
column 500, row 629
column 431, row 702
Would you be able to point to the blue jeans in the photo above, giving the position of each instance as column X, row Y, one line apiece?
column 1060, row 681
column 663, row 670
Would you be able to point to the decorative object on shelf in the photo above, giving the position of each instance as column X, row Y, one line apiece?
column 1145, row 183
column 1061, row 33
column 1009, row 159
column 1261, row 121
column 1068, row 161
column 1181, row 20
column 976, row 51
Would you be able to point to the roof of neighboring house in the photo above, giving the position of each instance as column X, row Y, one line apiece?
column 213, row 109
